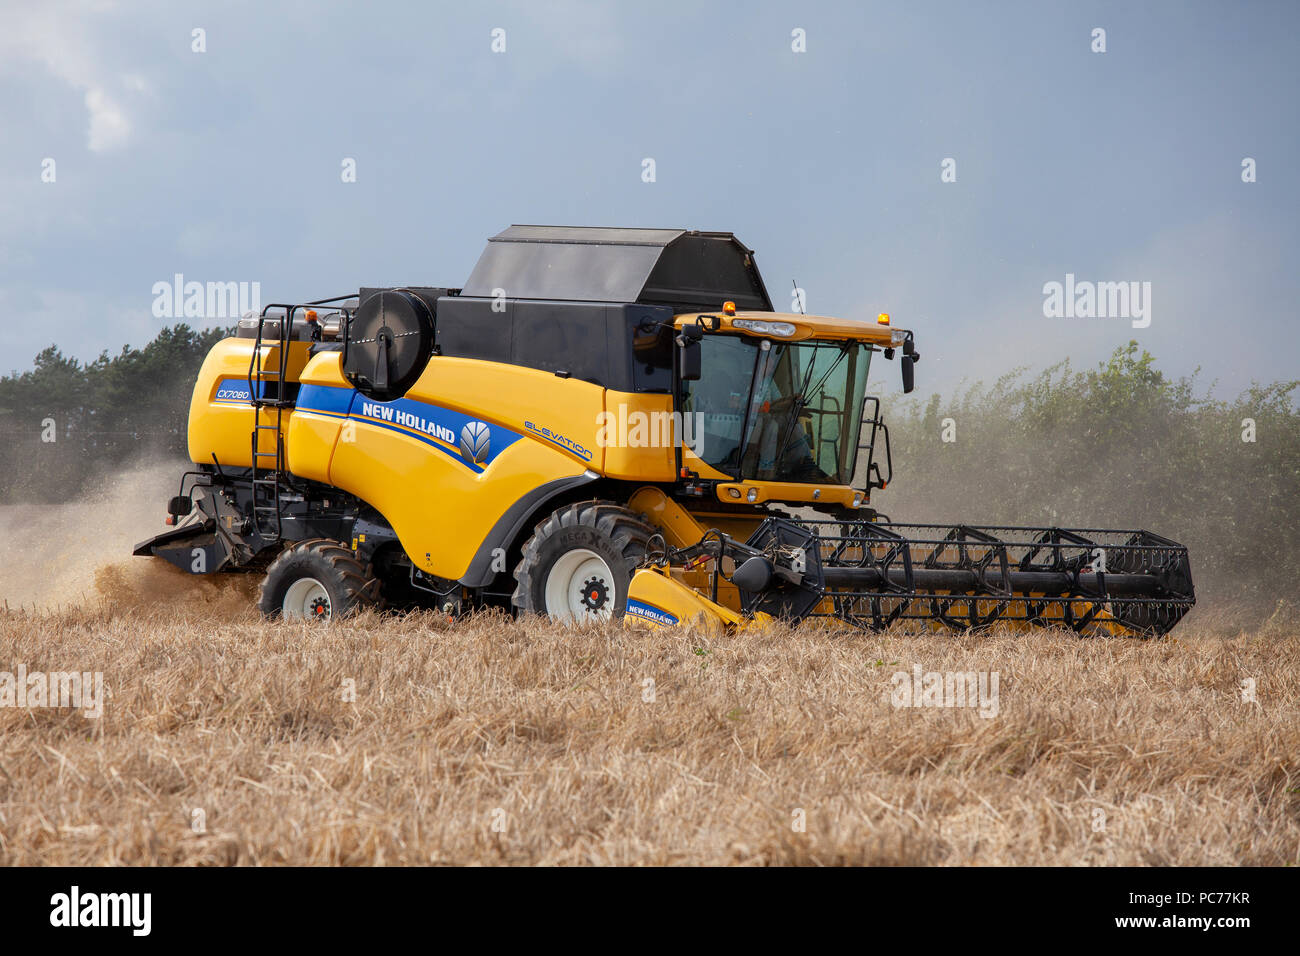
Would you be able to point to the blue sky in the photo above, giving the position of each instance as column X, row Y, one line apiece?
column 225, row 165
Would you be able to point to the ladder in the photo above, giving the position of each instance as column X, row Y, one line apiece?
column 877, row 426
column 267, row 394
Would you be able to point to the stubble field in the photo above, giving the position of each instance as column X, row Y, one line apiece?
column 384, row 740
column 387, row 740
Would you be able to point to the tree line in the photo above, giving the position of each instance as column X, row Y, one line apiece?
column 1120, row 445
column 65, row 422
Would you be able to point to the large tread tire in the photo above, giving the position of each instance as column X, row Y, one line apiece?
column 617, row 535
column 350, row 585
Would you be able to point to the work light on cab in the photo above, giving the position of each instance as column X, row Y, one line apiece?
column 761, row 327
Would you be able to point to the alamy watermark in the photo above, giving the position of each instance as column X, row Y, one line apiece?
column 77, row 690
column 976, row 689
column 633, row 428
column 179, row 299
column 1085, row 299
column 75, row 908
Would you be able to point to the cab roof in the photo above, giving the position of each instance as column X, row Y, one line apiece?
column 805, row 327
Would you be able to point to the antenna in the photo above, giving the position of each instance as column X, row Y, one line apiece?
column 798, row 298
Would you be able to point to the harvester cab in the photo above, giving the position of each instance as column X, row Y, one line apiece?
column 603, row 423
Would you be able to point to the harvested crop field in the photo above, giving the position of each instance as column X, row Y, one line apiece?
column 387, row 740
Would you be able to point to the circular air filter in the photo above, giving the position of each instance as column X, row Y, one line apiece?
column 389, row 342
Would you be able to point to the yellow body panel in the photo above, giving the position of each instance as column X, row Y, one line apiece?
column 560, row 413
column 221, row 416
column 682, row 528
column 640, row 436
column 737, row 492
column 658, row 600
column 698, row 466
column 679, row 528
column 312, row 436
column 405, row 458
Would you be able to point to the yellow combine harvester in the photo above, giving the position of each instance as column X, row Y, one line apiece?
column 603, row 422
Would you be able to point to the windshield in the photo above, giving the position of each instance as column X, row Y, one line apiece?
column 801, row 418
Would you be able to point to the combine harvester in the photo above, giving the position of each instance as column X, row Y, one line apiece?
column 603, row 422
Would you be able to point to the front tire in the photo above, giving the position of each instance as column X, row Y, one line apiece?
column 579, row 563
column 317, row 580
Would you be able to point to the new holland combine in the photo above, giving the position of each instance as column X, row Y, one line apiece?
column 603, row 423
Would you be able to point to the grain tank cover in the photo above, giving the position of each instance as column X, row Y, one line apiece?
column 689, row 271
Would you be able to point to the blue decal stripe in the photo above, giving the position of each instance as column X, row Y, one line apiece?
column 650, row 613
column 237, row 392
column 453, row 421
column 338, row 402
column 427, row 439
column 326, row 398
column 431, row 442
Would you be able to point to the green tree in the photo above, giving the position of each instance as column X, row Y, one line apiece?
column 103, row 414
column 1119, row 445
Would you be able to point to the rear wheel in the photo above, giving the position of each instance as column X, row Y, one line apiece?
column 579, row 562
column 318, row 580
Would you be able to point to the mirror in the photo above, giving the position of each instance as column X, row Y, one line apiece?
column 909, row 379
column 689, row 362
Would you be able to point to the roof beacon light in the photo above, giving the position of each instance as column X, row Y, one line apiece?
column 883, row 318
column 729, row 308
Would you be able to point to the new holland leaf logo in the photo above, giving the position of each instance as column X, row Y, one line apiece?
column 475, row 442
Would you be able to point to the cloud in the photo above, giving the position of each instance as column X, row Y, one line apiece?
column 586, row 33
column 109, row 127
column 58, row 36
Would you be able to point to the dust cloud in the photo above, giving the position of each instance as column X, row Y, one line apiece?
column 55, row 556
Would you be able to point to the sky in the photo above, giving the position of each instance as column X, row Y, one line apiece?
column 228, row 164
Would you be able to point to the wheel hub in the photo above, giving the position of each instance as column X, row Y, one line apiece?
column 594, row 594
column 307, row 599
column 580, row 587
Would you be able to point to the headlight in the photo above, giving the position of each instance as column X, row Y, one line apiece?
column 762, row 327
